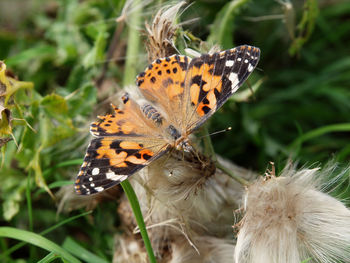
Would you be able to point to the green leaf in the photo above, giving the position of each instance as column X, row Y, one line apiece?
column 38, row 241
column 221, row 32
column 340, row 127
column 305, row 26
column 96, row 54
column 12, row 189
column 54, row 105
column 82, row 101
column 46, row 231
column 55, row 123
column 73, row 247
column 35, row 165
column 35, row 53
column 49, row 258
column 5, row 121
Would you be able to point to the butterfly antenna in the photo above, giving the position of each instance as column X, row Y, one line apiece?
column 217, row 132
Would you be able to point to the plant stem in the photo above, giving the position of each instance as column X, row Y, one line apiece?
column 230, row 173
column 209, row 150
column 133, row 44
column 130, row 193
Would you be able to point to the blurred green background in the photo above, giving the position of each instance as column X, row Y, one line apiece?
column 66, row 70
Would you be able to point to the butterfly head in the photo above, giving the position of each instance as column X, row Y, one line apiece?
column 184, row 144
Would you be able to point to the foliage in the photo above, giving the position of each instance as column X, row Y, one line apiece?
column 55, row 53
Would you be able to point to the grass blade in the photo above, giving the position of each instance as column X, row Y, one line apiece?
column 21, row 244
column 340, row 127
column 49, row 258
column 129, row 191
column 37, row 240
column 73, row 247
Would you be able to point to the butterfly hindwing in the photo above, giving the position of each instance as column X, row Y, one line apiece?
column 124, row 143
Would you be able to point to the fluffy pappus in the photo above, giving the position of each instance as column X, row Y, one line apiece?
column 290, row 219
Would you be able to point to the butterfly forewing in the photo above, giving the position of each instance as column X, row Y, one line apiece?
column 162, row 83
column 212, row 79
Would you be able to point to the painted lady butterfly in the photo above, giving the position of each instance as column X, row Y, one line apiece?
column 181, row 95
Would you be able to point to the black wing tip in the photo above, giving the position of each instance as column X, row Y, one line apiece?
column 249, row 50
column 85, row 188
column 86, row 184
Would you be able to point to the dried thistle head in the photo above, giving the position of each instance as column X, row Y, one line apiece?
column 177, row 201
column 289, row 219
column 129, row 248
column 210, row 249
column 161, row 32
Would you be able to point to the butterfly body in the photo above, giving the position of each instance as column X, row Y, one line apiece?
column 179, row 95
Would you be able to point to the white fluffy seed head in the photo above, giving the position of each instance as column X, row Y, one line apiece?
column 187, row 203
column 288, row 219
column 129, row 249
column 210, row 249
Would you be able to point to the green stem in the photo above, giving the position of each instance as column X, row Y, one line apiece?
column 340, row 127
column 232, row 174
column 208, row 145
column 129, row 191
column 133, row 44
column 209, row 150
column 29, row 202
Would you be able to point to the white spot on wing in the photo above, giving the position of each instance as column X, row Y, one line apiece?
column 239, row 59
column 250, row 67
column 115, row 177
column 233, row 77
column 95, row 171
column 99, row 188
column 110, row 175
column 92, row 185
column 246, row 61
column 90, row 179
column 229, row 63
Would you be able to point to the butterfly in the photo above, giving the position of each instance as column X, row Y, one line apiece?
column 180, row 94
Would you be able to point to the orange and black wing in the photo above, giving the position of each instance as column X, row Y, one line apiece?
column 212, row 78
column 124, row 143
column 109, row 161
column 190, row 91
